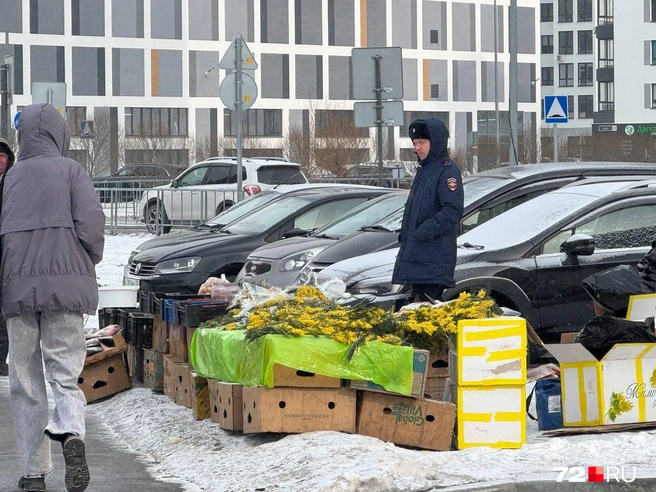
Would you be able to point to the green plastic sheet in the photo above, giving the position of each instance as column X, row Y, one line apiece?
column 226, row 356
column 217, row 354
column 387, row 365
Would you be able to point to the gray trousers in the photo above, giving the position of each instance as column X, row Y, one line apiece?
column 54, row 341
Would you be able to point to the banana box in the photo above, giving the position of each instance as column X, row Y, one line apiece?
column 488, row 352
column 488, row 416
column 618, row 389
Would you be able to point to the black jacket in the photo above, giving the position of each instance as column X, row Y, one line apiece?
column 432, row 213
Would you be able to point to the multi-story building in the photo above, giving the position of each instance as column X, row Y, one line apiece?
column 147, row 70
column 567, row 69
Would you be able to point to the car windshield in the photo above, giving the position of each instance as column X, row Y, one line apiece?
column 261, row 219
column 523, row 222
column 280, row 174
column 366, row 214
column 242, row 208
column 392, row 222
column 477, row 187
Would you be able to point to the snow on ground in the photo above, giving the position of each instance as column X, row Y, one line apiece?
column 204, row 457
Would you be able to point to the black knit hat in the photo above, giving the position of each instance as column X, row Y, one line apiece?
column 419, row 129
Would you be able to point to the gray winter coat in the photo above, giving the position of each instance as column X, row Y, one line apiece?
column 51, row 223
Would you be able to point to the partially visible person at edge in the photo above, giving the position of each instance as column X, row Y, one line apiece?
column 51, row 226
column 6, row 161
column 427, row 256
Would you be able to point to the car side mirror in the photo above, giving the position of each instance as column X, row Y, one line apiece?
column 578, row 245
column 174, row 183
column 295, row 233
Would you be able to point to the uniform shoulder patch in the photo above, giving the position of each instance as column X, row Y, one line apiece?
column 452, row 184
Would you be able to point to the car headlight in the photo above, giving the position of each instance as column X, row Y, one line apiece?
column 180, row 265
column 298, row 261
column 376, row 286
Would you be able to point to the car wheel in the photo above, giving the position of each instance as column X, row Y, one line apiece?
column 157, row 219
column 223, row 206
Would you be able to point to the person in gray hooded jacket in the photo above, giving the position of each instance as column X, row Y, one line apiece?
column 51, row 226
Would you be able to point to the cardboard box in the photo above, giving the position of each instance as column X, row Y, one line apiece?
column 226, row 406
column 298, row 409
column 189, row 335
column 419, row 369
column 287, row 377
column 104, row 378
column 200, row 397
column 176, row 380
column 488, row 416
column 135, row 363
column 409, row 421
column 153, row 370
column 119, row 346
column 568, row 337
column 438, row 366
column 614, row 390
column 160, row 335
column 641, row 307
column 434, row 389
column 489, row 352
column 178, row 347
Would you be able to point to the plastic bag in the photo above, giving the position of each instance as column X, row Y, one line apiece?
column 548, row 404
column 602, row 332
column 613, row 287
column 207, row 286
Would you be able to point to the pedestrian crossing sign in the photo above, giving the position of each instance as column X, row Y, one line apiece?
column 555, row 109
column 86, row 129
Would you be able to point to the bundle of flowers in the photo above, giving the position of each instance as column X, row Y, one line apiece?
column 310, row 312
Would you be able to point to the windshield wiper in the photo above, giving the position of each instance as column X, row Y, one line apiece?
column 376, row 227
column 471, row 246
column 324, row 236
column 226, row 231
column 206, row 225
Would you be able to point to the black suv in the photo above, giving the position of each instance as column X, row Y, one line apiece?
column 128, row 183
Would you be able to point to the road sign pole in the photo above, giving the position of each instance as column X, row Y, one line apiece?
column 379, row 119
column 238, row 107
column 555, row 137
column 4, row 89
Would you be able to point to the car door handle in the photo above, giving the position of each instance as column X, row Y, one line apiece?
column 195, row 192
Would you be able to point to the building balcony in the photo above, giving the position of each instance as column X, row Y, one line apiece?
column 606, row 74
column 604, row 31
column 603, row 117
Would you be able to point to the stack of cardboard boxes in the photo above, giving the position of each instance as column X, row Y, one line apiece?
column 105, row 373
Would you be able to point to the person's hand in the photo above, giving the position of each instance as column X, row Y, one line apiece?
column 422, row 235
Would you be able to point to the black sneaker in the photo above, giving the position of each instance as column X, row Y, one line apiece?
column 4, row 369
column 32, row 484
column 76, row 477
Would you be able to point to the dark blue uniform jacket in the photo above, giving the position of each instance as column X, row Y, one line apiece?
column 432, row 214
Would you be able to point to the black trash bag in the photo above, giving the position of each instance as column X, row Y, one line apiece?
column 647, row 266
column 612, row 288
column 603, row 331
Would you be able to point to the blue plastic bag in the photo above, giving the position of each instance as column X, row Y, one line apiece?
column 548, row 404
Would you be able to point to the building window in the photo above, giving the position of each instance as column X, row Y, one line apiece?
column 566, row 42
column 570, row 107
column 255, row 122
column 565, row 11
column 606, row 12
column 156, row 122
column 585, row 107
column 546, row 12
column 653, row 52
column 606, row 96
column 585, row 74
column 547, row 43
column 547, row 76
column 434, row 36
column 653, row 96
column 435, row 91
column 606, row 53
column 75, row 115
column 566, row 75
column 585, row 42
column 653, row 10
column 584, row 11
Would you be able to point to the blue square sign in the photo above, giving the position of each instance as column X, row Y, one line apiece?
column 555, row 109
